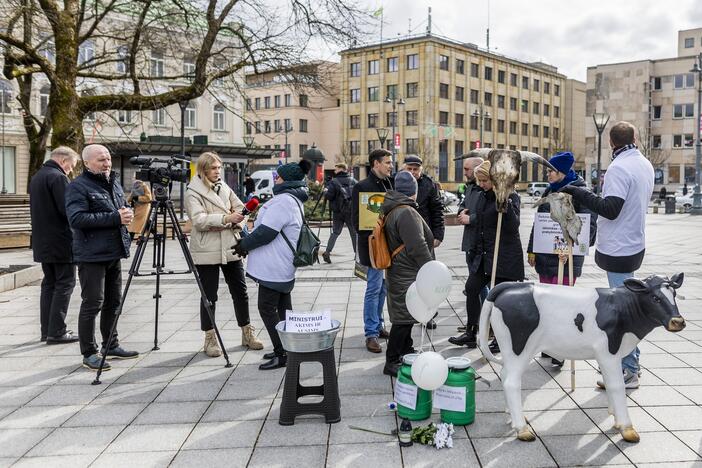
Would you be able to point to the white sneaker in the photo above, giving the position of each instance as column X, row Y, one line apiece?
column 631, row 380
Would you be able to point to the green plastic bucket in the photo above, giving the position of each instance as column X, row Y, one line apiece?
column 461, row 374
column 424, row 403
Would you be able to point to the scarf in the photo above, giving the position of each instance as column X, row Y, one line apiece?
column 570, row 177
column 296, row 188
column 616, row 152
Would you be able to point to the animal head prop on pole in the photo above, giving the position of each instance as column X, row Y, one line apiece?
column 504, row 170
column 563, row 212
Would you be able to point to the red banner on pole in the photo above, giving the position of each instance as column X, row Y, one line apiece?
column 397, row 141
column 477, row 144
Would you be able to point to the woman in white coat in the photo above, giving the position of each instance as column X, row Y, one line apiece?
column 217, row 222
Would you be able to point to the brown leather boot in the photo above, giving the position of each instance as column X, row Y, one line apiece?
column 373, row 345
column 249, row 338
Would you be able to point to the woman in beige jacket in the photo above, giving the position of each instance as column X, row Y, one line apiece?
column 215, row 213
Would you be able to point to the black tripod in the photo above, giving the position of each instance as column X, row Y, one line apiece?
column 163, row 206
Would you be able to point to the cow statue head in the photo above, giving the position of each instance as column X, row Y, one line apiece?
column 656, row 298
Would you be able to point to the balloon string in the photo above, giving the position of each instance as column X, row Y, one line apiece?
column 421, row 342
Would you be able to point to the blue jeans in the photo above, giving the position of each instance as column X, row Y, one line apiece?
column 631, row 361
column 373, row 303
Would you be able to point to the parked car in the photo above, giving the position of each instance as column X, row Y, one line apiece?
column 264, row 181
column 448, row 198
column 535, row 189
column 684, row 201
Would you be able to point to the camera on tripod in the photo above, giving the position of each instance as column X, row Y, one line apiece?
column 153, row 170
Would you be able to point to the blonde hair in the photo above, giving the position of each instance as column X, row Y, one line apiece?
column 204, row 163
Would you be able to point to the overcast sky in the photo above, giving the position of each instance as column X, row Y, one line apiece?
column 570, row 34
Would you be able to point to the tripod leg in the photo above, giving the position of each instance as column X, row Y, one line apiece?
column 133, row 269
column 191, row 265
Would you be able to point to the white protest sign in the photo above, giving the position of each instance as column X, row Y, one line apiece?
column 450, row 398
column 406, row 395
column 306, row 322
column 548, row 236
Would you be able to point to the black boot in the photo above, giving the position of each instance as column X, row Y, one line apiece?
column 275, row 363
column 392, row 368
column 467, row 339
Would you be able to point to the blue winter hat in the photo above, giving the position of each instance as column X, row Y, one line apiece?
column 562, row 161
column 405, row 183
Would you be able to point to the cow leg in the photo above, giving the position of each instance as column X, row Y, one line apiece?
column 616, row 394
column 512, row 383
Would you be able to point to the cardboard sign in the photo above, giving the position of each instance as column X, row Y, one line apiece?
column 369, row 204
column 450, row 398
column 406, row 395
column 548, row 236
column 307, row 322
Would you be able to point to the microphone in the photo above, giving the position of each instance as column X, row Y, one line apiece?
column 250, row 206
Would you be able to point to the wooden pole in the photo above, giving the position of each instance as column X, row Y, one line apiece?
column 497, row 250
column 571, row 283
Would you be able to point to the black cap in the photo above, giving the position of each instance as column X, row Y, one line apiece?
column 412, row 159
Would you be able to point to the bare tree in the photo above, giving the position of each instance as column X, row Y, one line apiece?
column 98, row 55
column 655, row 154
column 345, row 156
column 429, row 157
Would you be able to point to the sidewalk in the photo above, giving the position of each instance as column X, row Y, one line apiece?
column 176, row 407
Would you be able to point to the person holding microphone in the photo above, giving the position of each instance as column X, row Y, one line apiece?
column 217, row 222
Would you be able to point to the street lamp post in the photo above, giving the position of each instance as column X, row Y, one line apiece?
column 382, row 135
column 481, row 116
column 697, row 195
column 183, row 105
column 600, row 120
column 396, row 101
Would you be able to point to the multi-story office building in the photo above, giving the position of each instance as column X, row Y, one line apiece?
column 296, row 109
column 434, row 91
column 659, row 98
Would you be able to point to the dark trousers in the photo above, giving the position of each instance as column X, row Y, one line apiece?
column 56, row 289
column 101, row 287
column 338, row 220
column 272, row 305
column 399, row 343
column 235, row 278
column 475, row 284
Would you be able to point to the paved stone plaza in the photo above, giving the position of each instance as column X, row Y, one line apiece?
column 176, row 407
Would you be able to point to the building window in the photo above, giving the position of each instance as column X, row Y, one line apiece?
column 302, row 126
column 249, row 128
column 547, row 110
column 443, row 62
column 525, row 82
column 443, row 118
column 473, row 122
column 43, row 99
column 157, row 64
column 682, row 110
column 525, row 105
column 355, row 121
column 267, row 102
column 257, row 126
column 500, row 101
column 513, row 127
column 277, row 127
column 411, row 118
column 689, row 42
column 501, row 76
column 500, row 126
column 546, row 132
column 266, row 126
column 372, row 120
column 288, row 125
column 124, row 116
column 458, row 164
column 488, row 73
column 460, row 66
column 488, row 99
column 459, row 120
column 391, row 91
column 547, row 87
column 355, row 69
column 356, row 95
column 474, row 70
column 412, row 90
column 657, row 144
column 525, row 129
column 513, row 79
column 303, row 100
column 443, row 90
column 302, row 149
column 391, row 119
column 121, row 64
column 288, row 100
column 276, row 101
column 443, row 160
column 248, row 104
column 473, row 96
column 488, row 124
column 557, row 112
column 412, row 145
column 373, row 67
column 657, row 83
column 556, row 90
column 678, row 111
column 513, row 104
column 86, row 53
column 158, row 116
column 393, row 64
column 460, row 91
column 355, row 147
column 412, row 61
column 373, row 93
column 556, row 134
column 677, row 141
column 257, row 102
column 218, row 117
column 537, row 85
column 7, row 168
column 689, row 110
column 535, row 108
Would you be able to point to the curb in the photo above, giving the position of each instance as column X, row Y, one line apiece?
column 20, row 278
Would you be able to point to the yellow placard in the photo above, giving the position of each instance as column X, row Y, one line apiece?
column 369, row 204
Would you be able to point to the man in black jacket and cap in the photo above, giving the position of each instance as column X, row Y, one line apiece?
column 98, row 215
column 51, row 243
column 338, row 193
column 378, row 180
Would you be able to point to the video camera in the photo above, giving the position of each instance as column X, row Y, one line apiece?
column 161, row 175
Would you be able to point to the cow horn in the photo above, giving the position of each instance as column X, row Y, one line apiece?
column 476, row 153
column 536, row 158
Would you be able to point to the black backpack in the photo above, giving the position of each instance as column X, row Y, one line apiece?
column 346, row 192
column 307, row 251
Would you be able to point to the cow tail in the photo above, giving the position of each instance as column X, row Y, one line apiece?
column 484, row 332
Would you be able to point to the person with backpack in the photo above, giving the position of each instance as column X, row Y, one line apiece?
column 272, row 258
column 338, row 194
column 411, row 243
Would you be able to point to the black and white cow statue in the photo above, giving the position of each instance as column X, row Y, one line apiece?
column 576, row 323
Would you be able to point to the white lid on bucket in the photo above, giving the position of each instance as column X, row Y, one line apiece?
column 409, row 358
column 458, row 363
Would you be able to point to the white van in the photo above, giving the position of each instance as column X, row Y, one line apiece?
column 264, row 184
column 535, row 189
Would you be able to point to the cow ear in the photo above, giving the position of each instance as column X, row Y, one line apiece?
column 677, row 280
column 635, row 285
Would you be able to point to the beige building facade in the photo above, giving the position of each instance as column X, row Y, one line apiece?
column 439, row 88
column 659, row 98
column 276, row 101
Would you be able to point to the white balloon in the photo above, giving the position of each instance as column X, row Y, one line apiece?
column 416, row 307
column 429, row 370
column 433, row 283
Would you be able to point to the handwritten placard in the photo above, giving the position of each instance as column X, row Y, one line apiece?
column 548, row 236
column 406, row 395
column 307, row 322
column 450, row 398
